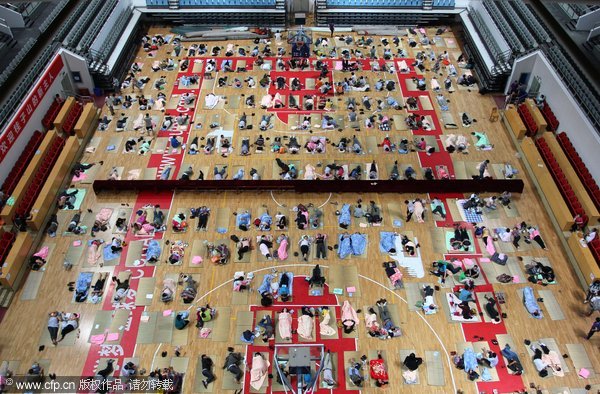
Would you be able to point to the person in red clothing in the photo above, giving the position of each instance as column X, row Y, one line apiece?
column 378, row 371
column 578, row 223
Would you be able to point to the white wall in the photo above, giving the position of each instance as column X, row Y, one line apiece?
column 35, row 123
column 11, row 18
column 573, row 121
column 112, row 19
column 77, row 63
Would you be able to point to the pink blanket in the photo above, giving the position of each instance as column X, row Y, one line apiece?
column 104, row 215
column 490, row 246
column 282, row 253
column 259, row 371
column 94, row 254
column 285, row 325
column 348, row 313
column 82, row 176
column 43, row 252
column 305, row 327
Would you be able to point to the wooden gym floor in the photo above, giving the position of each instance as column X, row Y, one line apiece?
column 25, row 321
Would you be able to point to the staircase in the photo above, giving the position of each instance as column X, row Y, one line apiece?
column 427, row 4
column 173, row 4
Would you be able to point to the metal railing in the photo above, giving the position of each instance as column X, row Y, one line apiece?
column 580, row 89
column 538, row 29
column 488, row 38
column 518, row 25
column 52, row 15
column 97, row 23
column 114, row 35
column 511, row 38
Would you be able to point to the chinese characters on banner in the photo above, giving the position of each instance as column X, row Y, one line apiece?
column 19, row 122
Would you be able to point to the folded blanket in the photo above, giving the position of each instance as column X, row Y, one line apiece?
column 43, row 252
column 104, row 215
column 134, row 174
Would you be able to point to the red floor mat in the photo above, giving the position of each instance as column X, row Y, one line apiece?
column 301, row 297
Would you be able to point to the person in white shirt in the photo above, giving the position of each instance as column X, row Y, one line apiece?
column 591, row 235
column 505, row 236
column 304, row 243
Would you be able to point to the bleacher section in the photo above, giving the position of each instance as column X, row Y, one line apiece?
column 384, row 12
column 550, row 117
column 492, row 66
column 94, row 28
column 223, row 12
column 115, row 34
column 51, row 114
column 12, row 66
column 21, row 164
column 565, row 194
column 517, row 24
column 560, row 179
column 580, row 168
column 33, row 191
column 53, row 14
column 547, row 187
column 524, row 32
column 226, row 3
column 375, row 3
column 72, row 117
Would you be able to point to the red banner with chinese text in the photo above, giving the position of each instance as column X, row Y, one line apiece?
column 33, row 100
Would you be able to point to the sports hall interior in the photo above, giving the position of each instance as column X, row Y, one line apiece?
column 518, row 113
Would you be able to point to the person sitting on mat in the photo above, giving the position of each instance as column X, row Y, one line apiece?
column 316, row 277
column 181, row 320
column 204, row 314
column 443, row 269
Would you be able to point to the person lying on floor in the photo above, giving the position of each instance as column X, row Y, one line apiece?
column 378, row 371
column 429, row 307
column 355, row 373
column 544, row 358
column 74, row 226
column 97, row 289
column 514, row 364
column 121, row 289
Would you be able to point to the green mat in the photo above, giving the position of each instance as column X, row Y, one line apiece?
column 450, row 235
column 78, row 199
